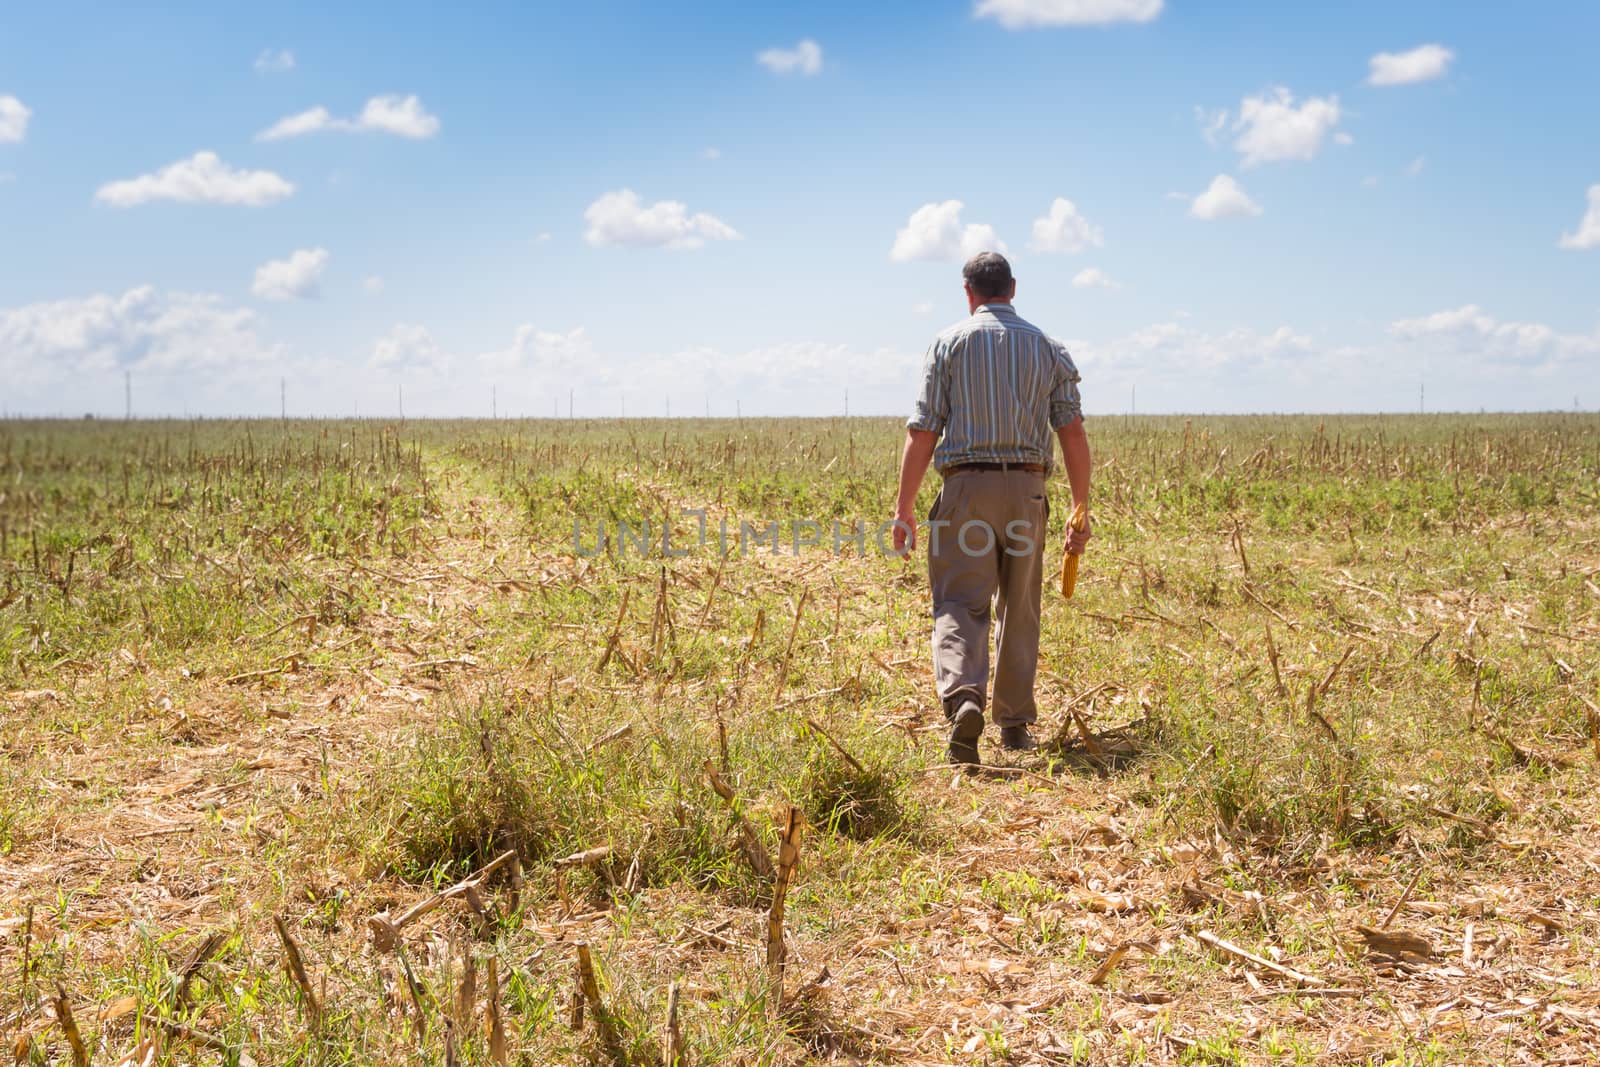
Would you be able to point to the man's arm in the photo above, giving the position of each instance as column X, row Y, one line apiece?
column 1075, row 450
column 914, row 460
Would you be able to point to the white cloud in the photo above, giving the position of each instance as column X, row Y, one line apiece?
column 402, row 116
column 804, row 58
column 1064, row 230
column 788, row 374
column 143, row 329
column 711, row 152
column 14, row 116
column 272, row 61
column 373, row 284
column 1479, row 361
column 537, row 359
column 303, row 122
column 540, row 366
column 552, row 354
column 935, row 232
column 1021, row 14
column 1588, row 235
column 1342, row 138
column 1224, row 198
column 1168, row 348
column 1212, row 123
column 544, row 236
column 1243, row 368
column 1474, row 334
column 922, row 307
column 201, row 179
column 1271, row 127
column 297, row 278
column 408, row 347
column 1421, row 64
column 1093, row 278
column 1370, row 181
column 1414, row 168
column 621, row 218
column 804, row 364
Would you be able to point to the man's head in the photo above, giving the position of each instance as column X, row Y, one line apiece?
column 988, row 280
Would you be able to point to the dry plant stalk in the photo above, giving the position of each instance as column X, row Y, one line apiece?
column 722, row 737
column 1109, row 964
column 657, row 617
column 1090, row 745
column 197, row 959
column 297, row 970
column 1333, row 672
column 497, row 1030
column 1272, row 657
column 788, row 651
column 514, row 904
column 69, row 1027
column 616, row 632
column 587, row 858
column 1228, row 948
column 1422, row 649
column 1525, row 755
column 673, row 1052
column 141, row 1055
column 205, row 1040
column 1238, row 546
column 1477, row 695
column 711, row 595
column 855, row 764
column 1404, row 896
column 1594, row 723
column 757, row 630
column 755, row 853
column 788, row 859
column 589, row 984
column 614, row 735
column 386, row 931
column 467, row 994
column 418, row 995
column 1399, row 944
column 27, row 933
column 480, row 911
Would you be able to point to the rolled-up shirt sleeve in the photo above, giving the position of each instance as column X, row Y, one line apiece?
column 1066, row 405
column 933, row 401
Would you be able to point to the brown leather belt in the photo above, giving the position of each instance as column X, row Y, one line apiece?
column 1031, row 468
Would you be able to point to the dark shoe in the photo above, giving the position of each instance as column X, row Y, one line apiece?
column 966, row 726
column 1017, row 739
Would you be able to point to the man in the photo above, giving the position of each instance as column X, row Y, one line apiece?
column 994, row 387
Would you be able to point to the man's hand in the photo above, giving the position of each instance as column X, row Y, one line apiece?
column 905, row 533
column 1075, row 450
column 914, row 460
column 1078, row 540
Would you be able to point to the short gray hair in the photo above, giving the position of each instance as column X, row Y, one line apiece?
column 989, row 275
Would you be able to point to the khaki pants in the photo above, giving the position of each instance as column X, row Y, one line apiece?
column 986, row 545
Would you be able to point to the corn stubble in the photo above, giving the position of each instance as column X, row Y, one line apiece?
column 321, row 742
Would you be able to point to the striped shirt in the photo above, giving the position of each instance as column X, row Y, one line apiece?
column 994, row 386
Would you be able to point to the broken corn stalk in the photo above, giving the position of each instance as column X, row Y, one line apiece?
column 1069, row 562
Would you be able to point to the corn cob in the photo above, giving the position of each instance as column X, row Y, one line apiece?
column 1069, row 562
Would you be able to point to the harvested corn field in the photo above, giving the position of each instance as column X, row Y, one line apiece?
column 615, row 742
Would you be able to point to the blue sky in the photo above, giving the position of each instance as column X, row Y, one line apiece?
column 1230, row 206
